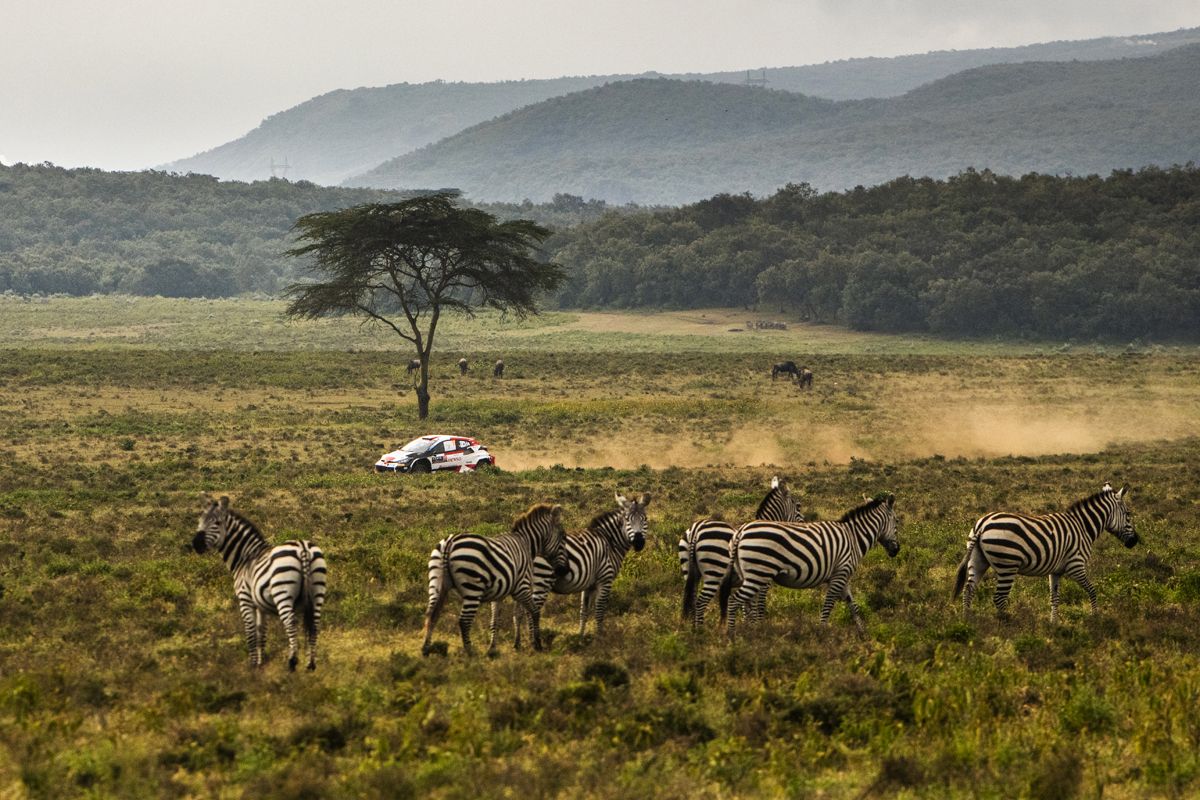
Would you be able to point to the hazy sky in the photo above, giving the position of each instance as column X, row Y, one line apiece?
column 128, row 84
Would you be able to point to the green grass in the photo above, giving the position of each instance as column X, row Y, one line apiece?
column 122, row 671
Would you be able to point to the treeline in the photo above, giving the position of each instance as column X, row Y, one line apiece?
column 975, row 254
column 82, row 231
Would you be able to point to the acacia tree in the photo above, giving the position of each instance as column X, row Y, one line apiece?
column 402, row 264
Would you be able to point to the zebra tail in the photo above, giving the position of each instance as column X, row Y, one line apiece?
column 444, row 578
column 724, row 592
column 306, row 588
column 961, row 580
column 689, row 585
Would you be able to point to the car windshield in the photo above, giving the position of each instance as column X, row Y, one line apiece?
column 417, row 446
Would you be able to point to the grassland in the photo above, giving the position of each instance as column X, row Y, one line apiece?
column 122, row 672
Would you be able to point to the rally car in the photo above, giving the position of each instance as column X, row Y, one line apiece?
column 437, row 452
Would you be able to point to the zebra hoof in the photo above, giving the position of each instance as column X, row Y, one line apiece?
column 312, row 666
column 292, row 662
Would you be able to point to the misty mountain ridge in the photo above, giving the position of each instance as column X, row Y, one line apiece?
column 668, row 141
column 349, row 131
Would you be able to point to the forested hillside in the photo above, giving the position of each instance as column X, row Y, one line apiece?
column 665, row 141
column 349, row 131
column 977, row 254
column 84, row 230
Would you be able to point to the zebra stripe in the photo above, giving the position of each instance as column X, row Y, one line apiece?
column 593, row 560
column 280, row 580
column 807, row 554
column 1048, row 544
column 482, row 569
column 704, row 552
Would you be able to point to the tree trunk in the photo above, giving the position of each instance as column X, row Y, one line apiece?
column 423, row 389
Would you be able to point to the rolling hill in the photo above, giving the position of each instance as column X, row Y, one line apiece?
column 346, row 132
column 669, row 141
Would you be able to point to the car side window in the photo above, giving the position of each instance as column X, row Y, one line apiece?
column 464, row 445
column 436, row 449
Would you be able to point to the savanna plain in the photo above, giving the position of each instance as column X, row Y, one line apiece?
column 122, row 667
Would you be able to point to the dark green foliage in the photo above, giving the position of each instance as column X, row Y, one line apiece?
column 404, row 264
column 976, row 254
column 80, row 231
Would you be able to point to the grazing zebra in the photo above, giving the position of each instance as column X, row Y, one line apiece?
column 285, row 580
column 1047, row 544
column 704, row 551
column 413, row 366
column 483, row 569
column 802, row 555
column 462, row 366
column 788, row 367
column 593, row 560
column 498, row 369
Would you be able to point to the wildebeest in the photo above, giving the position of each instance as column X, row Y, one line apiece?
column 413, row 366
column 785, row 366
column 804, row 378
column 498, row 370
column 462, row 366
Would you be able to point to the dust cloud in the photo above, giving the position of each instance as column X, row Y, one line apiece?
column 951, row 430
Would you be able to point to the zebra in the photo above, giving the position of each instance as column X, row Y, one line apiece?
column 1047, row 544
column 482, row 569
column 286, row 580
column 463, row 366
column 802, row 555
column 593, row 560
column 788, row 367
column 704, row 551
column 498, row 369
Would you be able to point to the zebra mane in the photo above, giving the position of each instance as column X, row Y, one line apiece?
column 1079, row 504
column 865, row 508
column 601, row 518
column 771, row 495
column 535, row 511
column 254, row 531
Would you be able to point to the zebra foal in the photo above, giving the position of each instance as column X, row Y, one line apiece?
column 282, row 580
column 482, row 569
column 593, row 559
column 1046, row 544
column 802, row 555
column 704, row 552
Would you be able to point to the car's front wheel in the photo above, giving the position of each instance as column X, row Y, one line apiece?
column 421, row 466
column 485, row 465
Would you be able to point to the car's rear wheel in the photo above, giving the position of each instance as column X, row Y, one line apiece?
column 421, row 466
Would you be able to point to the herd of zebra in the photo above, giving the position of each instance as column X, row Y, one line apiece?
column 738, row 564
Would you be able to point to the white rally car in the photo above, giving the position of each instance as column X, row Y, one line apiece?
column 435, row 453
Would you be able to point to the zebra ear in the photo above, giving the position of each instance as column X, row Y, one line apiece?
column 1107, row 487
column 556, row 513
column 1123, row 490
column 224, row 502
column 622, row 501
column 644, row 500
column 775, row 482
column 891, row 500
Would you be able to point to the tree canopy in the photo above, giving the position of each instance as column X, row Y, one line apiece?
column 402, row 264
